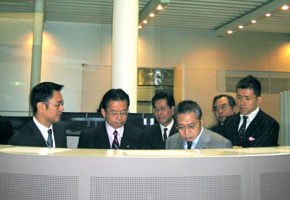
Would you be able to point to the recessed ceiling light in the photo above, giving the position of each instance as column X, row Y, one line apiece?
column 285, row 7
column 230, row 31
column 254, row 21
column 145, row 21
column 152, row 15
column 140, row 27
column 241, row 27
column 268, row 15
column 159, row 7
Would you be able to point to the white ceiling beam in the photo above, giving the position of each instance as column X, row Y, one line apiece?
column 257, row 14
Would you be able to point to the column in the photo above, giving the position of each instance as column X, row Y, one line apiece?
column 37, row 43
column 125, row 48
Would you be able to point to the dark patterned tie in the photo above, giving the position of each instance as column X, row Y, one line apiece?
column 165, row 135
column 49, row 141
column 115, row 144
column 242, row 129
column 189, row 145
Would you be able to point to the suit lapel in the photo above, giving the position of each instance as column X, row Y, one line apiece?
column 37, row 136
column 203, row 140
column 103, row 140
column 57, row 138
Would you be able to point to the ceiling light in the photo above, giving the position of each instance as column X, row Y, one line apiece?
column 152, row 15
column 268, row 15
column 241, row 27
column 285, row 7
column 254, row 21
column 230, row 31
column 152, row 9
column 159, row 7
column 140, row 27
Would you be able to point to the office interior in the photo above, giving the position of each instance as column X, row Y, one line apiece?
column 78, row 54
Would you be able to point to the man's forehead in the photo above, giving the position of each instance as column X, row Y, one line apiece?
column 221, row 101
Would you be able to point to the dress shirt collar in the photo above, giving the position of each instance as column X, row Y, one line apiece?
column 110, row 133
column 43, row 130
column 250, row 116
column 169, row 127
column 195, row 141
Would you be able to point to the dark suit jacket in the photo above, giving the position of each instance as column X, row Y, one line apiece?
column 263, row 131
column 30, row 135
column 218, row 129
column 97, row 138
column 6, row 131
column 153, row 136
column 208, row 140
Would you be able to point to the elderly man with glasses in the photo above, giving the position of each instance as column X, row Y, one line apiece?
column 192, row 135
column 223, row 106
column 114, row 133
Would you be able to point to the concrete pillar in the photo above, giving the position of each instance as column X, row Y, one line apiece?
column 125, row 48
column 37, row 43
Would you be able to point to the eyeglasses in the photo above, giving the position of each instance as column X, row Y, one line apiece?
column 114, row 113
column 162, row 109
column 222, row 107
column 61, row 103
column 190, row 127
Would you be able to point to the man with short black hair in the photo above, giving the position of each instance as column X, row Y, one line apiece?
column 114, row 133
column 251, row 127
column 47, row 105
column 223, row 106
column 163, row 110
column 192, row 135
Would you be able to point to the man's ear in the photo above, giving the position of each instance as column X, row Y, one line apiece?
column 201, row 121
column 103, row 112
column 41, row 107
column 172, row 110
column 235, row 109
column 259, row 100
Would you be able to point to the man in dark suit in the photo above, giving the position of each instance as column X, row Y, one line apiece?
column 251, row 127
column 114, row 133
column 223, row 106
column 42, row 131
column 163, row 111
column 192, row 135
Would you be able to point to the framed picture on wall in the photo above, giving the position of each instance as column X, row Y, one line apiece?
column 155, row 77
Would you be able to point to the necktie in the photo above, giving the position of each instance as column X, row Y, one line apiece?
column 49, row 141
column 189, row 145
column 165, row 135
column 115, row 143
column 242, row 129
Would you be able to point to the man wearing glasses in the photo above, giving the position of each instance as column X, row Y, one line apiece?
column 223, row 106
column 192, row 135
column 47, row 105
column 163, row 110
column 114, row 133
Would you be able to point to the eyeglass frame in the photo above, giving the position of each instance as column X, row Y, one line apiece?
column 162, row 109
column 115, row 114
column 188, row 126
column 61, row 103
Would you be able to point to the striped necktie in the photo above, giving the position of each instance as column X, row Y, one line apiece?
column 49, row 141
column 115, row 143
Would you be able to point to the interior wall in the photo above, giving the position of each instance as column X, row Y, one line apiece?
column 67, row 45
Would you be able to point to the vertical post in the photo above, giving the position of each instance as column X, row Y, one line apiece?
column 125, row 48
column 37, row 43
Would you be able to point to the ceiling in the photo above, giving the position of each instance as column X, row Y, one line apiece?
column 216, row 15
